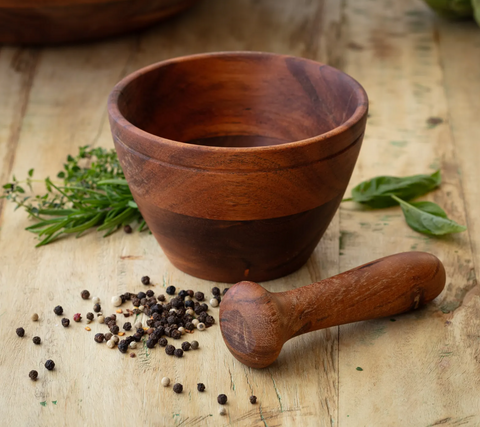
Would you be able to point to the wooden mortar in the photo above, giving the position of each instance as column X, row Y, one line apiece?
column 256, row 323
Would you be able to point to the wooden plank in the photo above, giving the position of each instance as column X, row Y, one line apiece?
column 92, row 384
column 417, row 369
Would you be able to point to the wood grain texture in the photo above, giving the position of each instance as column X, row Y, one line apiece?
column 62, row 21
column 255, row 323
column 418, row 371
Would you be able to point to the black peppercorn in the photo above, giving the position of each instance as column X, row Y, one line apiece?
column 96, row 308
column 151, row 343
column 115, row 329
column 123, row 346
column 127, row 326
column 199, row 296
column 20, row 332
column 33, row 375
column 163, row 342
column 50, row 364
column 189, row 304
column 222, row 399
column 58, row 310
column 171, row 290
column 176, row 334
column 190, row 293
column 161, row 298
column 177, row 388
column 176, row 302
column 99, row 338
column 136, row 302
column 150, row 322
column 179, row 352
column 140, row 332
column 65, row 322
column 137, row 337
column 36, row 340
column 225, row 291
column 201, row 387
column 215, row 291
column 113, row 316
column 199, row 309
column 186, row 346
column 209, row 320
column 90, row 316
column 141, row 295
column 183, row 294
column 189, row 326
column 253, row 399
column 150, row 293
column 194, row 345
column 146, row 280
column 170, row 349
column 127, row 229
column 149, row 331
column 85, row 294
column 108, row 335
column 218, row 298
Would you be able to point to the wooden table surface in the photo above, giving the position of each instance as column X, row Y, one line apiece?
column 423, row 369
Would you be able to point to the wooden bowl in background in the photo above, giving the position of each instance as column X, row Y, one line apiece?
column 61, row 21
column 238, row 160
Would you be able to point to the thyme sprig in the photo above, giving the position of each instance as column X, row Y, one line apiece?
column 92, row 193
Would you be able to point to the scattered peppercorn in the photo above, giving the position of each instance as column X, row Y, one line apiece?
column 171, row 290
column 127, row 326
column 163, row 342
column 127, row 229
column 146, row 280
column 253, row 399
column 85, row 294
column 170, row 349
column 99, row 338
column 108, row 336
column 177, row 388
column 110, row 343
column 225, row 291
column 194, row 345
column 165, row 381
column 58, row 310
column 123, row 346
column 77, row 317
column 222, row 399
column 95, row 300
column 201, row 326
column 161, row 298
column 116, row 301
column 33, row 375
column 151, row 343
column 176, row 334
column 65, row 322
column 90, row 316
column 97, row 307
column 101, row 319
column 133, row 355
column 150, row 293
column 34, row 317
column 50, row 364
column 186, row 346
column 37, row 340
column 179, row 352
column 214, row 302
column 133, row 344
column 115, row 339
column 199, row 296
column 115, row 329
column 222, row 411
column 20, row 332
column 201, row 387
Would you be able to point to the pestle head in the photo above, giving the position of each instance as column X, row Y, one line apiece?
column 252, row 325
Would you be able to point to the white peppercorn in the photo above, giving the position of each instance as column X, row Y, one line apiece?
column 141, row 308
column 165, row 381
column 96, row 300
column 222, row 410
column 111, row 343
column 214, row 302
column 133, row 344
column 138, row 325
column 190, row 312
column 201, row 326
column 115, row 339
column 34, row 317
column 117, row 301
column 195, row 322
column 101, row 319
column 181, row 329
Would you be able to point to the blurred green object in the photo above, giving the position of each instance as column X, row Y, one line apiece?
column 476, row 10
column 456, row 9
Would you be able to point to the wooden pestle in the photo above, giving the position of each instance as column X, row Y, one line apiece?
column 256, row 323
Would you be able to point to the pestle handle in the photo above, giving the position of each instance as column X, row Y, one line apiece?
column 385, row 287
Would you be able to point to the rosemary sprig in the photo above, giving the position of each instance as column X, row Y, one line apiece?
column 93, row 193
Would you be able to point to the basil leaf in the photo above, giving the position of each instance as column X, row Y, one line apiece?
column 428, row 218
column 377, row 192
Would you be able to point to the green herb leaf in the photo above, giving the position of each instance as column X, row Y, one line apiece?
column 377, row 192
column 428, row 218
column 30, row 173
